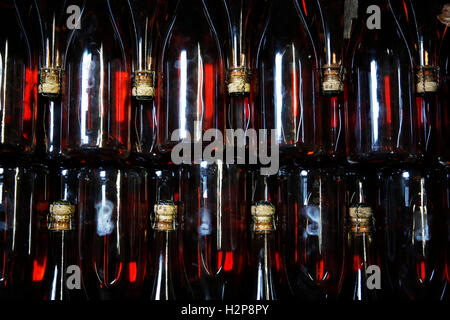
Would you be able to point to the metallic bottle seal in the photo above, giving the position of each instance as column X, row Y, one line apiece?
column 165, row 216
column 332, row 79
column 263, row 214
column 143, row 85
column 360, row 218
column 60, row 217
column 50, row 81
column 427, row 79
column 239, row 81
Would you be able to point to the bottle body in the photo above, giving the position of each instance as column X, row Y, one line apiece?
column 96, row 104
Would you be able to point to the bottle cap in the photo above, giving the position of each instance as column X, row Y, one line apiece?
column 144, row 85
column 60, row 217
column 50, row 81
column 360, row 218
column 165, row 215
column 427, row 79
column 239, row 81
column 444, row 17
column 263, row 214
column 332, row 79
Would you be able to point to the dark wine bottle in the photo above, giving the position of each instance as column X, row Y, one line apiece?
column 381, row 122
column 18, row 84
column 96, row 103
column 53, row 31
column 310, row 203
column 359, row 247
column 289, row 83
column 191, row 80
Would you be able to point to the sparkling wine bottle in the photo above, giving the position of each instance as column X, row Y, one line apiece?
column 212, row 228
column 191, row 80
column 16, row 187
column 411, row 233
column 18, row 84
column 148, row 21
column 53, row 31
column 381, row 122
column 111, row 231
column 359, row 251
column 310, row 204
column 289, row 82
column 330, row 27
column 96, row 102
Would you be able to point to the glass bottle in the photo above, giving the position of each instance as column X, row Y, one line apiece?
column 18, row 84
column 108, row 207
column 146, row 28
column 191, row 78
column 443, row 117
column 445, row 205
column 330, row 28
column 310, row 204
column 411, row 233
column 96, row 103
column 262, row 253
column 53, row 31
column 381, row 122
column 16, row 187
column 359, row 252
column 213, row 228
column 289, row 82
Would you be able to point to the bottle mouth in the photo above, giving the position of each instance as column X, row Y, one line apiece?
column 238, row 81
column 61, row 216
column 263, row 214
column 427, row 79
column 50, row 81
column 165, row 216
column 332, row 79
column 360, row 219
column 143, row 85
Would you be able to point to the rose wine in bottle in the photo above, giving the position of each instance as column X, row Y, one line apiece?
column 310, row 204
column 444, row 111
column 359, row 251
column 16, row 187
column 330, row 29
column 108, row 216
column 167, row 282
column 18, row 84
column 411, row 233
column 53, row 31
column 289, row 83
column 146, row 27
column 191, row 80
column 262, row 255
column 423, row 25
column 58, row 284
column 381, row 121
column 96, row 103
column 213, row 228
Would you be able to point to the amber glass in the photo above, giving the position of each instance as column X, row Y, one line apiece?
column 289, row 82
column 411, row 233
column 148, row 19
column 18, row 83
column 52, row 46
column 16, row 186
column 191, row 79
column 311, row 204
column 96, row 97
column 112, row 229
column 213, row 228
column 381, row 120
column 359, row 245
